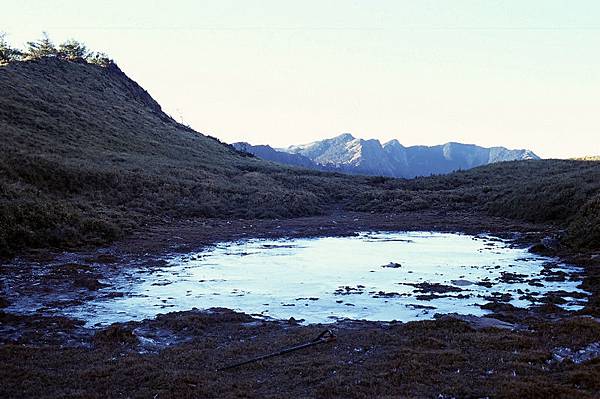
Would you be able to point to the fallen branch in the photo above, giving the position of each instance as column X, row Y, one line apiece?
column 324, row 337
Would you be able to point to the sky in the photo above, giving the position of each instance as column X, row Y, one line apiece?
column 520, row 74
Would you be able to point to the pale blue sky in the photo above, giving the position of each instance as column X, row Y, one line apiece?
column 523, row 74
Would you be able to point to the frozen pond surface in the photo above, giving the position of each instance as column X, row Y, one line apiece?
column 373, row 276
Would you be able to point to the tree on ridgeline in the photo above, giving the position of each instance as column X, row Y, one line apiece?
column 73, row 50
column 100, row 59
column 41, row 48
column 7, row 53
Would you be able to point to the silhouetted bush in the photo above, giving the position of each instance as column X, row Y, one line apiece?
column 70, row 50
column 41, row 48
column 73, row 50
column 8, row 53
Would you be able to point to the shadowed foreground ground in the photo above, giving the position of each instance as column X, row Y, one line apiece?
column 177, row 354
column 418, row 359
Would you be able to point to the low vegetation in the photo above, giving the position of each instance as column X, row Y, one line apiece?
column 71, row 50
column 589, row 158
column 88, row 156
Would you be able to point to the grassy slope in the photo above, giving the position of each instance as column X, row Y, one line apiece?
column 87, row 156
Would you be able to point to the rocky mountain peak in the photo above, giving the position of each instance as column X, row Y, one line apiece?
column 368, row 156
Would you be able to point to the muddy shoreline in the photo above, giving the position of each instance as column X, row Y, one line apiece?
column 177, row 353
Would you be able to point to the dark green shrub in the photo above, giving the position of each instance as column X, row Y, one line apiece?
column 584, row 230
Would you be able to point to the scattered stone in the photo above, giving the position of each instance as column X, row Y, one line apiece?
column 498, row 297
column 511, row 278
column 590, row 352
column 461, row 282
column 541, row 249
column 347, row 290
column 426, row 287
column 554, row 299
column 417, row 306
column 550, row 243
column 383, row 294
column 554, row 275
column 89, row 283
column 162, row 283
column 429, row 297
column 529, row 297
column 569, row 294
column 479, row 323
column 70, row 269
column 498, row 307
column 115, row 334
column 535, row 282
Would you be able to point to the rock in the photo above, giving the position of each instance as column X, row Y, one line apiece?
column 511, row 278
column 540, row 249
column 89, row 283
column 590, row 352
column 462, row 283
column 426, row 287
column 498, row 307
column 417, row 306
column 347, row 290
column 115, row 334
column 393, row 265
column 498, row 297
column 550, row 243
column 479, row 323
column 383, row 294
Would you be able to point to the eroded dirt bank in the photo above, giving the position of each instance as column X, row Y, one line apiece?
column 531, row 353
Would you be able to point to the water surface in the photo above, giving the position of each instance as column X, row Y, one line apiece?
column 372, row 276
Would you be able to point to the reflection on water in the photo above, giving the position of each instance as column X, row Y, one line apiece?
column 373, row 276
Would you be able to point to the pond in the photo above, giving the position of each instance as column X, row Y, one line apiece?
column 372, row 276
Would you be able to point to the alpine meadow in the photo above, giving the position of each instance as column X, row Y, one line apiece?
column 142, row 258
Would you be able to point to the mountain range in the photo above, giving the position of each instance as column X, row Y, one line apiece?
column 348, row 154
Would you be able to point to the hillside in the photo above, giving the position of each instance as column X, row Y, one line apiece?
column 268, row 153
column 369, row 157
column 88, row 156
column 589, row 158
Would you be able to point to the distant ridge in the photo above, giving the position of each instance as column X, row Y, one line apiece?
column 585, row 158
column 349, row 154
